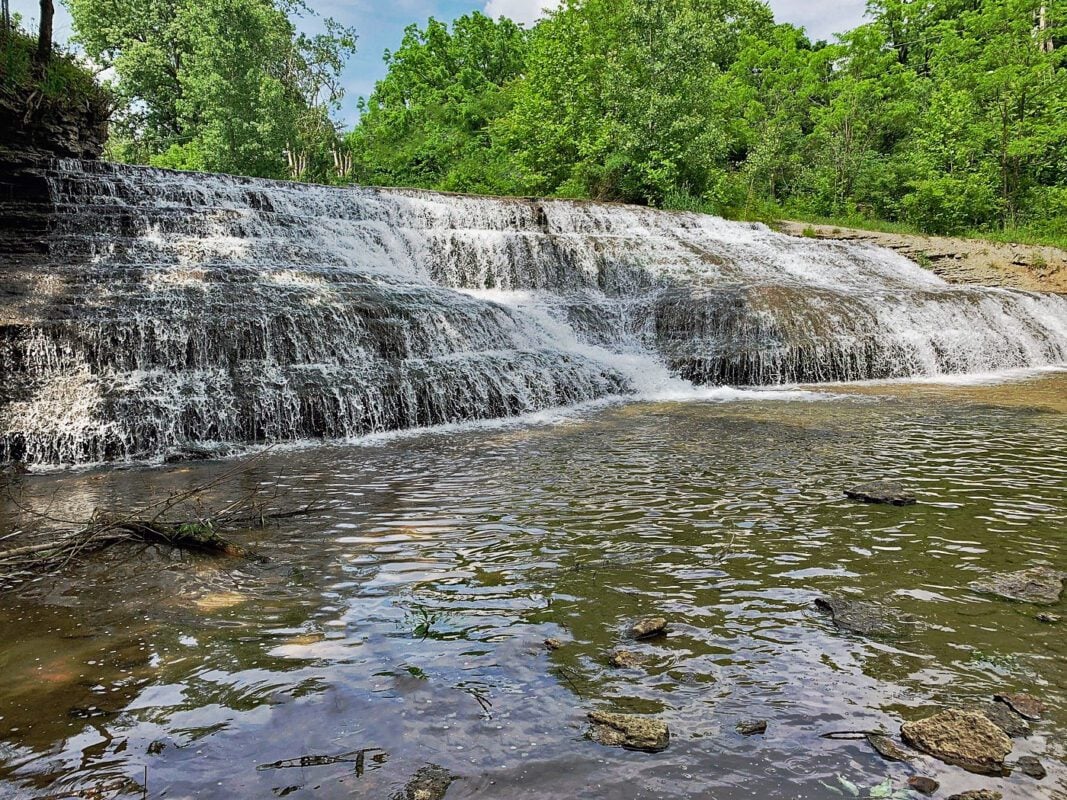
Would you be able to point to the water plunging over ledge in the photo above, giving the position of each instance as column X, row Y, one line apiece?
column 148, row 311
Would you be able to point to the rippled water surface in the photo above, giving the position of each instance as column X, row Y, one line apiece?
column 405, row 626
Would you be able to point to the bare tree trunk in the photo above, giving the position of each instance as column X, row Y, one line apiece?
column 5, row 17
column 1046, row 43
column 44, row 40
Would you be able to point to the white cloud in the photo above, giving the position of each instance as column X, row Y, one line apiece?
column 820, row 19
column 524, row 11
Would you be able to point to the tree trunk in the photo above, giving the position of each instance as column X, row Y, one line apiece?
column 5, row 18
column 44, row 40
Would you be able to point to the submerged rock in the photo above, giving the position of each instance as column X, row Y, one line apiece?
column 629, row 731
column 964, row 738
column 860, row 617
column 648, row 627
column 751, row 727
column 923, row 785
column 626, row 659
column 1039, row 585
column 978, row 794
column 887, row 748
column 1031, row 766
column 1048, row 619
column 886, row 492
column 1001, row 715
column 431, row 782
column 1024, row 705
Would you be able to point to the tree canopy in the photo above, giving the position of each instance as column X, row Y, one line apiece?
column 220, row 85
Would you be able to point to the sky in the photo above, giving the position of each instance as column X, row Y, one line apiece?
column 380, row 25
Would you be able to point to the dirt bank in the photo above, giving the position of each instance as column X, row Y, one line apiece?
column 970, row 261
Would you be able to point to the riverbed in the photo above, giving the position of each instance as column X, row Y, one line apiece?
column 405, row 625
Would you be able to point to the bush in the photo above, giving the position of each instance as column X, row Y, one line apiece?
column 950, row 204
column 63, row 78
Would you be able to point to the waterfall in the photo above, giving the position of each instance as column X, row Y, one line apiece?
column 146, row 312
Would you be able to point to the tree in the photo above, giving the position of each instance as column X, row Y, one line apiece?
column 223, row 85
column 428, row 121
column 44, row 39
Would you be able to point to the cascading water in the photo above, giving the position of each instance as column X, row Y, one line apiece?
column 148, row 311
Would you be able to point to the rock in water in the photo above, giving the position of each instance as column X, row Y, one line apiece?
column 1048, row 619
column 553, row 644
column 630, row 731
column 964, row 738
column 1029, row 765
column 887, row 748
column 648, row 627
column 923, row 785
column 751, row 727
column 1024, row 705
column 886, row 492
column 860, row 617
column 978, row 794
column 1039, row 585
column 626, row 659
column 431, row 782
column 1001, row 715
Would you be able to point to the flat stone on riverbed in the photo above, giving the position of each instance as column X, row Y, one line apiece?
column 977, row 794
column 648, row 627
column 626, row 659
column 1024, row 705
column 1032, row 766
column 886, row 492
column 629, row 731
column 431, row 782
column 964, row 738
column 923, row 785
column 1001, row 715
column 752, row 727
column 887, row 748
column 1039, row 585
column 860, row 617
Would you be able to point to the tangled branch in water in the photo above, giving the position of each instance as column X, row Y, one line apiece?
column 180, row 520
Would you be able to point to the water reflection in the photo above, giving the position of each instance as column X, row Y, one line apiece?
column 405, row 625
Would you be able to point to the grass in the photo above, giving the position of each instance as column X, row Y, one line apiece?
column 62, row 79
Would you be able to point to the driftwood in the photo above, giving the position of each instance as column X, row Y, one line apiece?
column 179, row 520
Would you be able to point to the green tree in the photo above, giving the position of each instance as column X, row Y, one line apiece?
column 223, row 85
column 427, row 122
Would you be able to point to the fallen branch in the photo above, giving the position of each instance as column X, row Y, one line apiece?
column 169, row 522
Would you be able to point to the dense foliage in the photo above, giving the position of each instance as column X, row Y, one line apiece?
column 948, row 115
column 220, row 85
column 61, row 77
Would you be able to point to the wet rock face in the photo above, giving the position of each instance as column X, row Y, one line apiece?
column 883, row 492
column 964, row 738
column 978, row 794
column 147, row 313
column 61, row 127
column 1038, row 585
column 630, row 731
column 861, row 617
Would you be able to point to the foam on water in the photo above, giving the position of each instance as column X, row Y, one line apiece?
column 153, row 311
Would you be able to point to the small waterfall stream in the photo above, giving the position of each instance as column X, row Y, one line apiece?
column 146, row 311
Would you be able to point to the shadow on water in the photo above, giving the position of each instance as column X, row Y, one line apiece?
column 405, row 626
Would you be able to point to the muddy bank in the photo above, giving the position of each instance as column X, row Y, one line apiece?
column 963, row 261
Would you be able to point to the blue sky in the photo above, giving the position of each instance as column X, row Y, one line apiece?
column 381, row 24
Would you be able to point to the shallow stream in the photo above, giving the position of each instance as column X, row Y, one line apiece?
column 405, row 626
